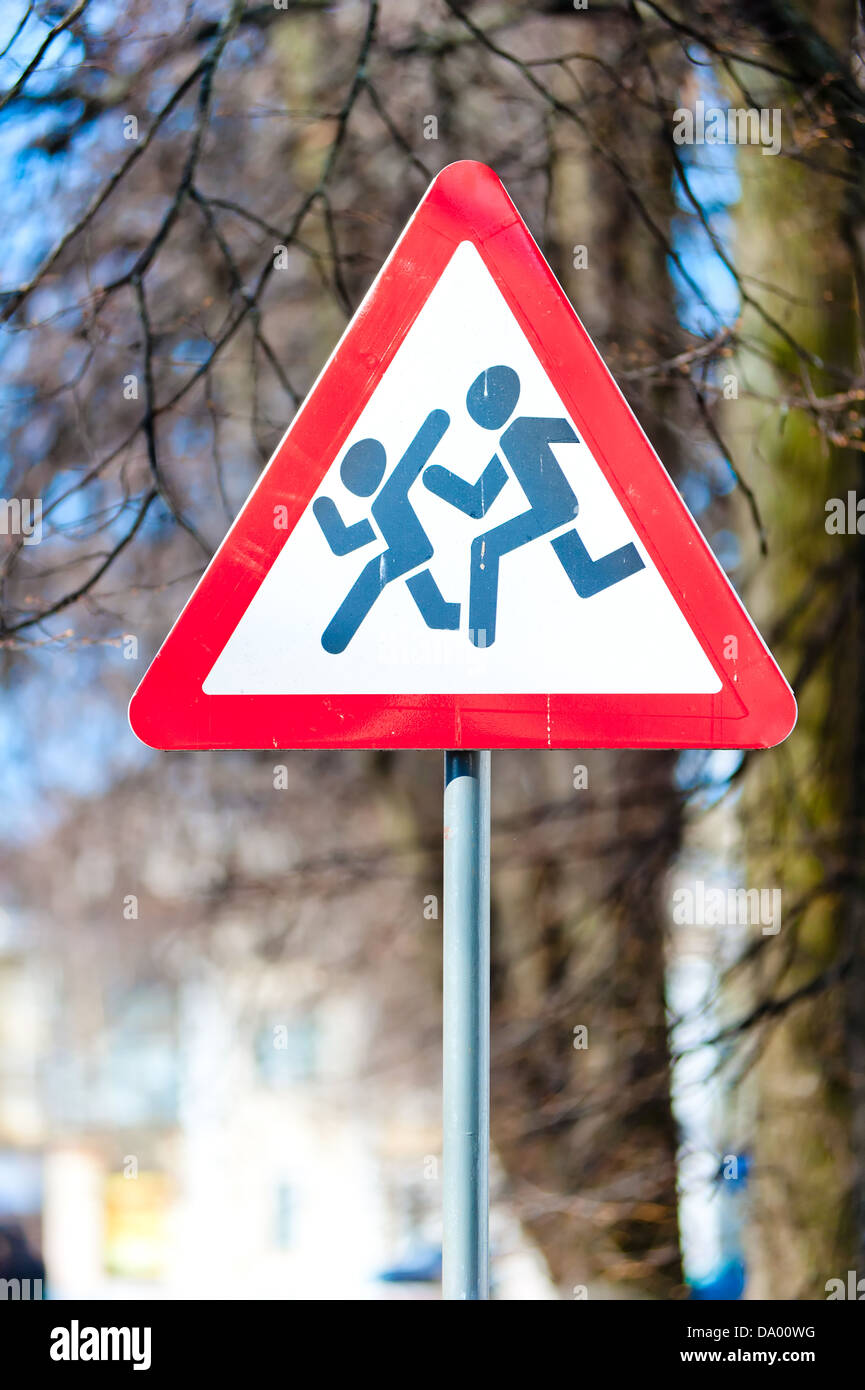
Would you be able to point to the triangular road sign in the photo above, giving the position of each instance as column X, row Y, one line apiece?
column 464, row 540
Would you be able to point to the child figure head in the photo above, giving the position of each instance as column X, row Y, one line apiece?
column 363, row 467
column 492, row 397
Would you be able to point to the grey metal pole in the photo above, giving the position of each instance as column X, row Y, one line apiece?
column 466, row 1033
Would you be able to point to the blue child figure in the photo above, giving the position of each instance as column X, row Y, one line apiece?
column 491, row 401
column 408, row 545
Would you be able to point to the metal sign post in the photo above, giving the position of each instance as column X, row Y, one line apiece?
column 466, row 1026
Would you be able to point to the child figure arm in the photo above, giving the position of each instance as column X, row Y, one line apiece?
column 342, row 539
column 475, row 499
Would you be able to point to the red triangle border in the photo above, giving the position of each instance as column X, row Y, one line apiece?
column 755, row 707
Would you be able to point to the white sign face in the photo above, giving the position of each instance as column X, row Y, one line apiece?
column 403, row 576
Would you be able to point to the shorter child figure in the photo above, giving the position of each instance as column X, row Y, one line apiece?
column 408, row 545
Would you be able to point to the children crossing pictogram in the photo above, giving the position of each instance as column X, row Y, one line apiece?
column 490, row 402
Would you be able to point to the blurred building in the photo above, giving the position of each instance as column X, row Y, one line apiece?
column 214, row 1135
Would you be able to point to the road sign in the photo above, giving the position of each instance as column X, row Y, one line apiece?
column 464, row 540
